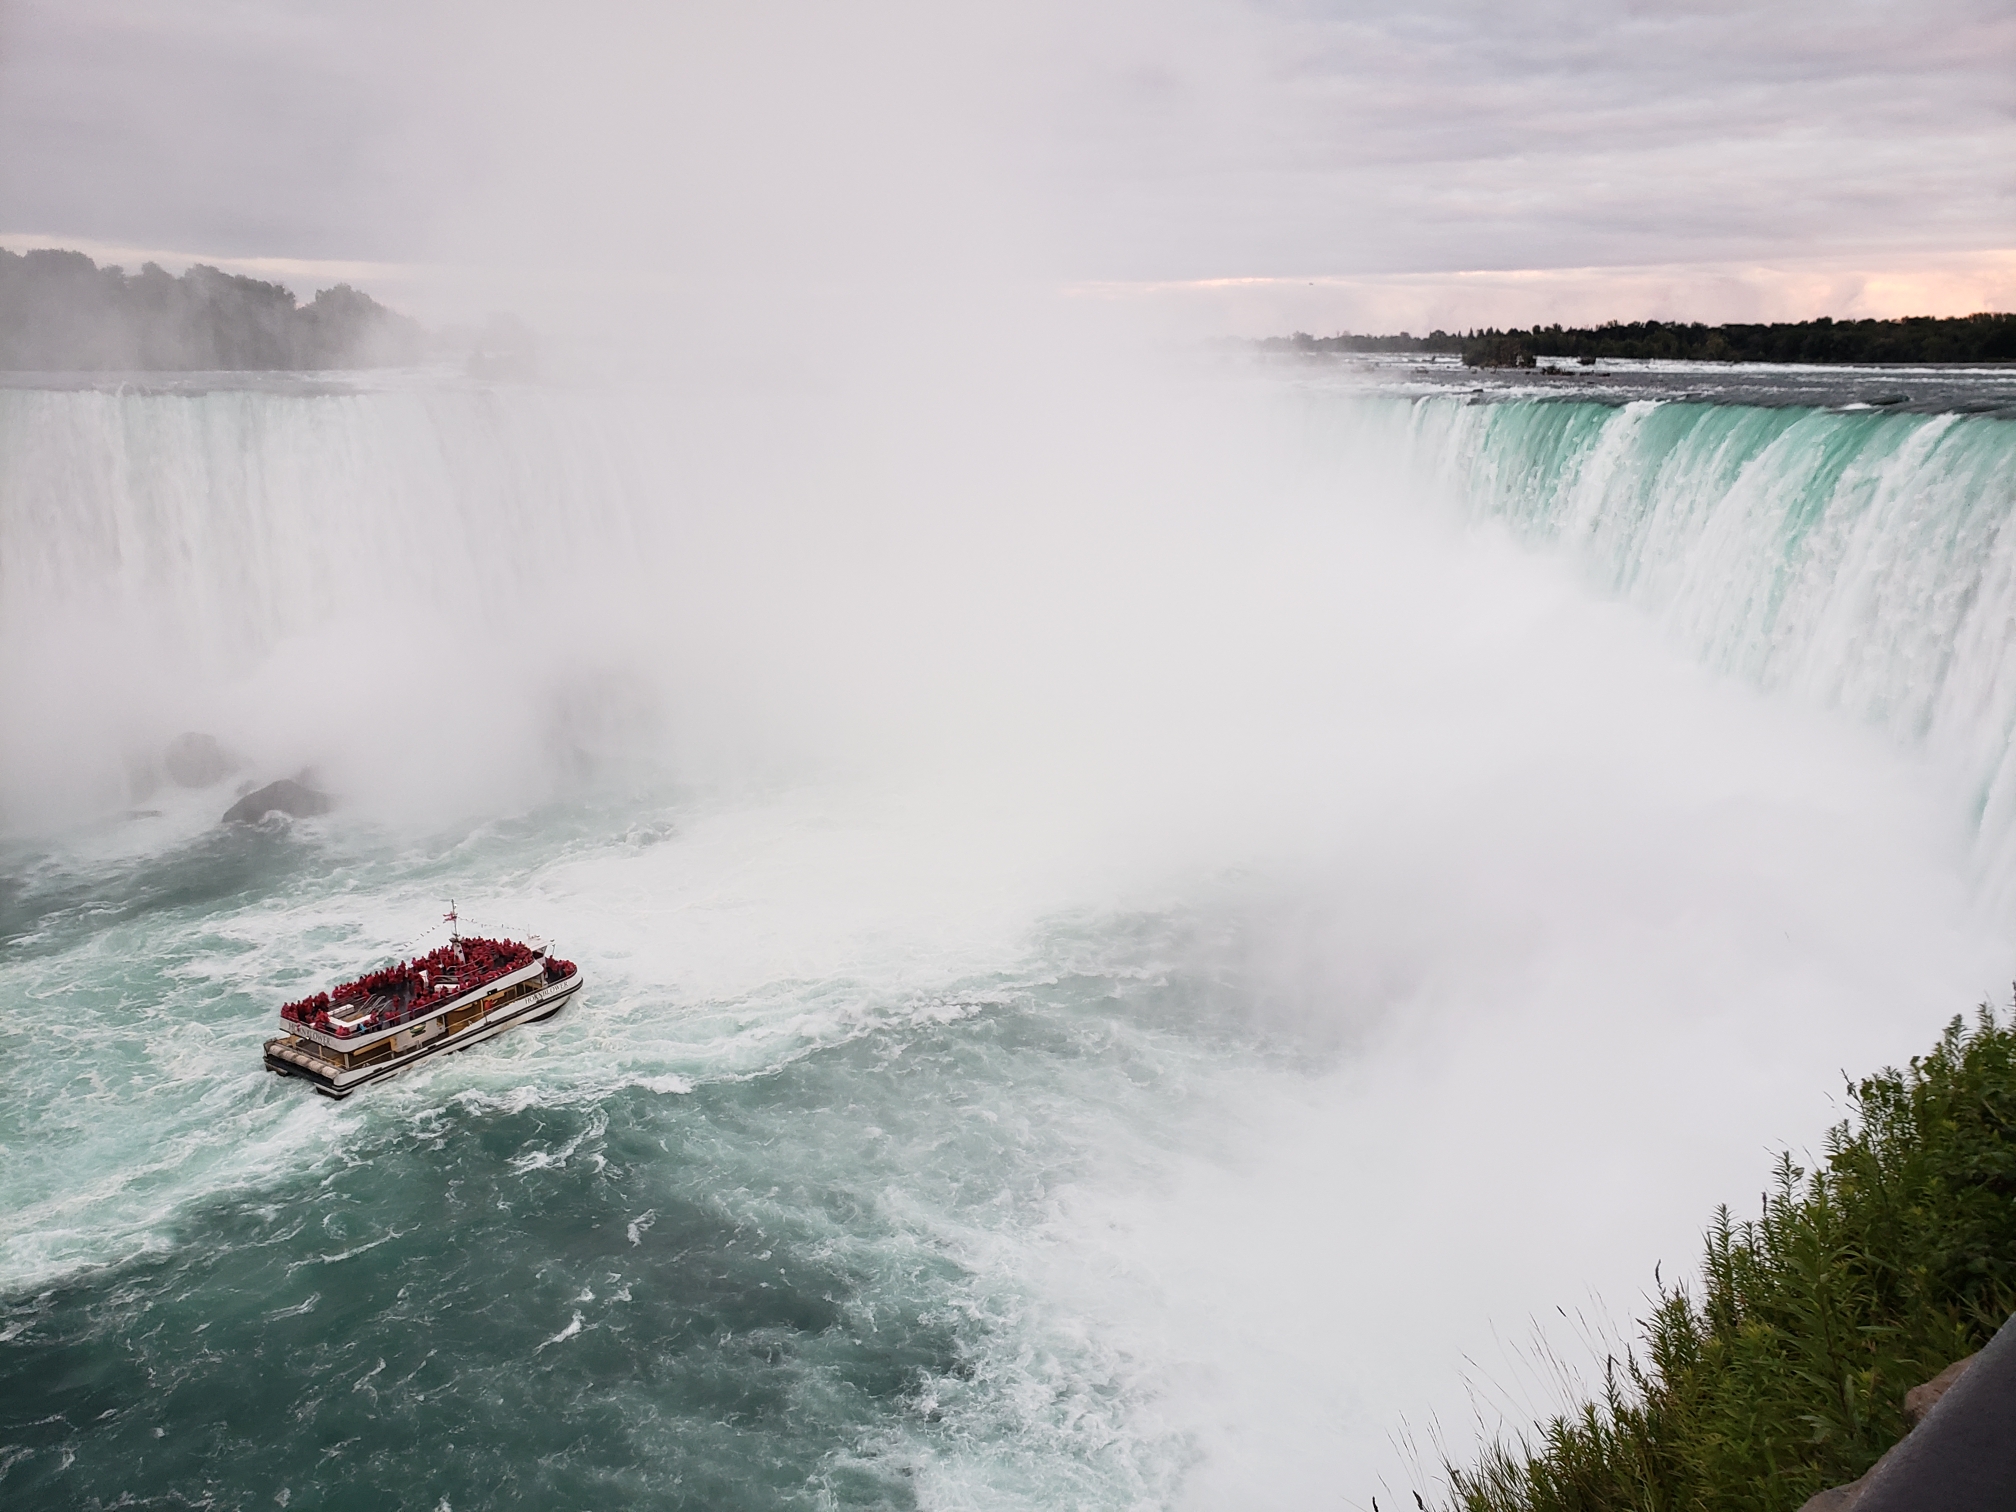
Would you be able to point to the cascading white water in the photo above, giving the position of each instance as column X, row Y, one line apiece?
column 240, row 516
column 163, row 544
column 293, row 568
column 1860, row 561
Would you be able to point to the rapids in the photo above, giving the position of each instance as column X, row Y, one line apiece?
column 1121, row 984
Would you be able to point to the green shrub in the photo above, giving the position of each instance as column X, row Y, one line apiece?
column 1787, row 1373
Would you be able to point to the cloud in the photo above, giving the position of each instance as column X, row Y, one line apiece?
column 775, row 162
column 1344, row 139
column 1846, row 287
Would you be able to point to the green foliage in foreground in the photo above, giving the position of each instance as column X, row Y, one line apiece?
column 1787, row 1373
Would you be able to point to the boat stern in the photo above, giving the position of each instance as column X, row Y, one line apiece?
column 288, row 1056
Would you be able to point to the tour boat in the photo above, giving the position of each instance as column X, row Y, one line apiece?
column 384, row 1021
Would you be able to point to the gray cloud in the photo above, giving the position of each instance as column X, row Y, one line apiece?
column 785, row 148
column 230, row 128
column 1337, row 139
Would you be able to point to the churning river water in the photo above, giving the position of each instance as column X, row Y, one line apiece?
column 1117, row 987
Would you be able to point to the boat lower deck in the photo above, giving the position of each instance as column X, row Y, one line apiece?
column 337, row 1073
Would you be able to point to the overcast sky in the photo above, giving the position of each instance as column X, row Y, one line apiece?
column 1233, row 165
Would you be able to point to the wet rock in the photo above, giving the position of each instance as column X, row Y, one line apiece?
column 196, row 760
column 283, row 797
column 142, row 780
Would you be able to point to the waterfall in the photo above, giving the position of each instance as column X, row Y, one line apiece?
column 164, row 548
column 1863, row 561
column 233, row 518
column 218, row 557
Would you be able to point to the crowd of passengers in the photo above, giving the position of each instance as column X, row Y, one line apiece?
column 413, row 987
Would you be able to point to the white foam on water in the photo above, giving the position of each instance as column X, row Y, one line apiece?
column 573, row 1327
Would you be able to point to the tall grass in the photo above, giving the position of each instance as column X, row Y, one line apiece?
column 1784, row 1370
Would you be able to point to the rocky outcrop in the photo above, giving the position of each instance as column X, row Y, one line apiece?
column 1835, row 1498
column 1960, row 1456
column 196, row 760
column 1920, row 1400
column 283, row 797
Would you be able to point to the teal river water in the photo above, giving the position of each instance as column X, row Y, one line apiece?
column 601, row 1264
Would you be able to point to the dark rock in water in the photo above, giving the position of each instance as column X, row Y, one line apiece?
column 1961, row 1456
column 142, row 781
column 196, row 760
column 283, row 797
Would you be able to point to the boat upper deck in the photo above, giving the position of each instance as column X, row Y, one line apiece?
column 381, row 1003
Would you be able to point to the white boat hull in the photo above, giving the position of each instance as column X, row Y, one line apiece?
column 295, row 1055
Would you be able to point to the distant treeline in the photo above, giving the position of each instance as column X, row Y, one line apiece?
column 60, row 312
column 1916, row 338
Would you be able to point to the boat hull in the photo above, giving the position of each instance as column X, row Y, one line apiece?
column 291, row 1055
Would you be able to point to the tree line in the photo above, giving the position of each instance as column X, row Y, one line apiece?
column 61, row 312
column 1912, row 339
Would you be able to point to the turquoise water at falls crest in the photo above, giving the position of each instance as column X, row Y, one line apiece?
column 1863, row 561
